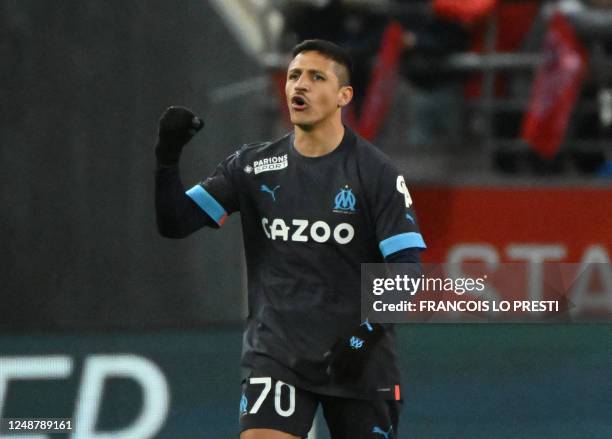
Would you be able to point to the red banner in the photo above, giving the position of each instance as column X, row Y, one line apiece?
column 555, row 89
column 380, row 92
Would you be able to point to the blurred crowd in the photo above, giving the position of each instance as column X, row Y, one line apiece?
column 529, row 80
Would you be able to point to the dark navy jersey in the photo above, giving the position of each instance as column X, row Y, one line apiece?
column 308, row 223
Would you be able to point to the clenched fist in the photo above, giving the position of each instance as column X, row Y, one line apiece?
column 177, row 126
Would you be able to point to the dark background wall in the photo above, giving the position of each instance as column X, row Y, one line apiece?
column 82, row 85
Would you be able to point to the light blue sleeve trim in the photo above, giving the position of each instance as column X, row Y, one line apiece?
column 401, row 242
column 207, row 203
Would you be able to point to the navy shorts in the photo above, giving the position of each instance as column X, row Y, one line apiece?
column 273, row 404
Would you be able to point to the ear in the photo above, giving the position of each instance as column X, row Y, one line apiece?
column 345, row 95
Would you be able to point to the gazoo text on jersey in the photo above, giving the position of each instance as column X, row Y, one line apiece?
column 301, row 230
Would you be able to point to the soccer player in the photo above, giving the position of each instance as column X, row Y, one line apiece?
column 314, row 205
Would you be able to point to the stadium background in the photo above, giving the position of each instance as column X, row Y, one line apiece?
column 86, row 276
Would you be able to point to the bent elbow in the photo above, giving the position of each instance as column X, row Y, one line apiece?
column 168, row 231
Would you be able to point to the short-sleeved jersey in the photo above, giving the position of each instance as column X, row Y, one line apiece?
column 308, row 223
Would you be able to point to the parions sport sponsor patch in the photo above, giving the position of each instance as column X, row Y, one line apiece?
column 270, row 164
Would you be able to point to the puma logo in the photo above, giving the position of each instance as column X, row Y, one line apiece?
column 385, row 434
column 265, row 188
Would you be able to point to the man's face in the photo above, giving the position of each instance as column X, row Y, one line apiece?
column 313, row 90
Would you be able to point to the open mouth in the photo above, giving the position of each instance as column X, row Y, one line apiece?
column 298, row 103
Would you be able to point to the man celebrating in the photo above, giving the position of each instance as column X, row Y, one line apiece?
column 314, row 204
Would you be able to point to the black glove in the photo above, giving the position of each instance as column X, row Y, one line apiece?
column 176, row 127
column 349, row 356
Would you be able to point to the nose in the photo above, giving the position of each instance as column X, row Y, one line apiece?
column 302, row 84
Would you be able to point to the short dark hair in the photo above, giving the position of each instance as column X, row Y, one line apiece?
column 331, row 51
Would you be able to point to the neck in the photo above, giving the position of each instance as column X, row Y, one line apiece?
column 320, row 139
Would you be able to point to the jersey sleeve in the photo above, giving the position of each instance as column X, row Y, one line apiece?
column 217, row 195
column 394, row 216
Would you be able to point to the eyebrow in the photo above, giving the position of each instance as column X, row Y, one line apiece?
column 296, row 69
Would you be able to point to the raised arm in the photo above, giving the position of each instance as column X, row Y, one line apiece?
column 177, row 214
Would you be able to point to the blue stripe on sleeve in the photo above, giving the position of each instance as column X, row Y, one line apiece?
column 400, row 242
column 207, row 203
